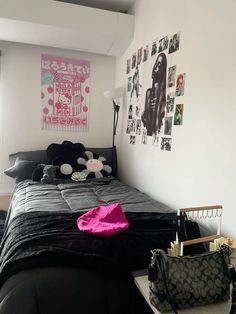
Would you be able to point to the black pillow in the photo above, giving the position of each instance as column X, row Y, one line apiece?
column 21, row 170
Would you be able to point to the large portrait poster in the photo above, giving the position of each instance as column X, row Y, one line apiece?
column 65, row 93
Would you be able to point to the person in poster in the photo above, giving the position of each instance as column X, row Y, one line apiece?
column 180, row 83
column 145, row 53
column 168, row 126
column 129, row 84
column 155, row 100
column 171, row 76
column 134, row 59
column 154, row 47
column 163, row 44
column 136, row 84
column 140, row 53
column 166, row 143
column 178, row 118
column 128, row 66
column 174, row 43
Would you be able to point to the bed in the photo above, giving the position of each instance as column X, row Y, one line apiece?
column 47, row 265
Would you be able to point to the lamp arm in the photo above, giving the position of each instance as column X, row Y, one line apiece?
column 115, row 120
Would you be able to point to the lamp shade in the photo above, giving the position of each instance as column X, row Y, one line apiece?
column 114, row 93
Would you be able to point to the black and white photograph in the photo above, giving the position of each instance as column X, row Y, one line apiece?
column 170, row 102
column 130, row 113
column 136, row 83
column 134, row 60
column 129, row 126
column 145, row 53
column 174, row 43
column 133, row 125
column 128, row 66
column 163, row 44
column 171, row 76
column 137, row 111
column 154, row 47
column 166, row 143
column 140, row 54
column 129, row 85
column 168, row 125
column 144, row 136
column 132, row 139
column 138, row 127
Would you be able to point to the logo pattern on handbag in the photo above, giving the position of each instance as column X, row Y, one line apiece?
column 181, row 282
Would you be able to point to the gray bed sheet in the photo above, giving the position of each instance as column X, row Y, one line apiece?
column 80, row 196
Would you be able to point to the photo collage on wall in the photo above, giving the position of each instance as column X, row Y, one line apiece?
column 155, row 90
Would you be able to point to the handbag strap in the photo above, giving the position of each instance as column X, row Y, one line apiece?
column 161, row 263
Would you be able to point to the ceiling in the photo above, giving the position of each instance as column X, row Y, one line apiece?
column 111, row 5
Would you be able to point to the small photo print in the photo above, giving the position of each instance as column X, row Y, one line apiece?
column 168, row 125
column 138, row 127
column 144, row 136
column 137, row 111
column 178, row 118
column 155, row 139
column 130, row 113
column 133, row 125
column 170, row 104
column 134, row 60
column 140, row 54
column 129, row 84
column 128, row 66
column 171, row 76
column 166, row 143
column 132, row 139
column 154, row 47
column 145, row 53
column 174, row 43
column 180, row 84
column 163, row 43
column 129, row 126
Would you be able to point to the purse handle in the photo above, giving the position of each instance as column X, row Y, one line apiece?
column 163, row 270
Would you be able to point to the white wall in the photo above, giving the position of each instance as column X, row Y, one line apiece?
column 20, row 104
column 200, row 169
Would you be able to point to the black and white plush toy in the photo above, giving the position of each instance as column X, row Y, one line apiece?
column 93, row 166
column 65, row 156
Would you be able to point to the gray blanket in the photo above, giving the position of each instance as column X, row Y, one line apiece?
column 80, row 197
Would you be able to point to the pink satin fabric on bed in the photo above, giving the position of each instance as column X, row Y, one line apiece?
column 105, row 220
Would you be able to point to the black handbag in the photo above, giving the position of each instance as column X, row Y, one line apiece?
column 178, row 282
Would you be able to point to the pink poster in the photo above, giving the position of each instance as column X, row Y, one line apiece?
column 65, row 93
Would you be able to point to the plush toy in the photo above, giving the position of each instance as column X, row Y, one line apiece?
column 78, row 176
column 49, row 174
column 93, row 166
column 65, row 156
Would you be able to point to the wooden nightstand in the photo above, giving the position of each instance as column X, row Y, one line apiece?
column 141, row 281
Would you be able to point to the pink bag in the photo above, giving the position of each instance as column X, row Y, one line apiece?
column 104, row 220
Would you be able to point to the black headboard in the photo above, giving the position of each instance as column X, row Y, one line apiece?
column 41, row 156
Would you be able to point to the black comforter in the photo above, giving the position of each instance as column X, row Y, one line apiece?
column 41, row 240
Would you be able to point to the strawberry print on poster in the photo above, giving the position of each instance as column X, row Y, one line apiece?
column 65, row 90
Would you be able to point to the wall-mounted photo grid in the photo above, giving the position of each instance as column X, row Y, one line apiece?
column 155, row 92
